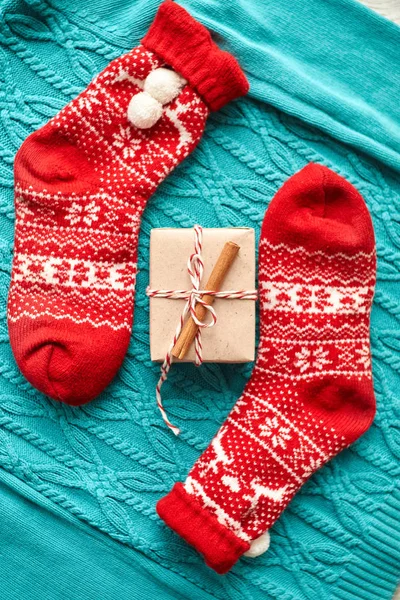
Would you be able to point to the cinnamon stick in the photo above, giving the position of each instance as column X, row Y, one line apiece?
column 221, row 268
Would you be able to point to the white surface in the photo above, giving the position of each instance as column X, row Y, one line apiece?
column 387, row 8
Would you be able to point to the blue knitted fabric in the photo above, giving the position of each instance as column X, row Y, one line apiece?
column 324, row 88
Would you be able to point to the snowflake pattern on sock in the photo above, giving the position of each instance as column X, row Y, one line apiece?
column 310, row 394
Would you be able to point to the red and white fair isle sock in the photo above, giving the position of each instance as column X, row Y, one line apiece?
column 81, row 184
column 310, row 394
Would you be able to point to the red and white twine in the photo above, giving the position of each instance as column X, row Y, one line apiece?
column 195, row 267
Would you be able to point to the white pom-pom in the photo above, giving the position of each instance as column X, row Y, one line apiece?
column 259, row 545
column 144, row 110
column 164, row 85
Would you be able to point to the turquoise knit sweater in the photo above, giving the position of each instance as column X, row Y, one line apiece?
column 78, row 487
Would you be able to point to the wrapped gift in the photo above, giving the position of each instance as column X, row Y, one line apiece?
column 232, row 338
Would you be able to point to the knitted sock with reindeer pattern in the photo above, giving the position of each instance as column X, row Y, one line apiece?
column 81, row 184
column 310, row 394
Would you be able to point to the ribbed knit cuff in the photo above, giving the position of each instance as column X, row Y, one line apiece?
column 182, row 512
column 375, row 572
column 186, row 45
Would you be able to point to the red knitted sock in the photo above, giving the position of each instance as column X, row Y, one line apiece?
column 310, row 394
column 82, row 182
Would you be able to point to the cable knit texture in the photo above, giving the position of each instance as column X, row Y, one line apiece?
column 104, row 466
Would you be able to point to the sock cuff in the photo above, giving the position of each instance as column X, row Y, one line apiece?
column 186, row 45
column 220, row 547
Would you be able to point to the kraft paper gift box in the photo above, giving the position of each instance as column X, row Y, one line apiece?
column 232, row 339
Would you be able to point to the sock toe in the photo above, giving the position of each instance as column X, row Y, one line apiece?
column 320, row 210
column 73, row 367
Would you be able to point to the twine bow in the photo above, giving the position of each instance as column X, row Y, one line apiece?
column 195, row 267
